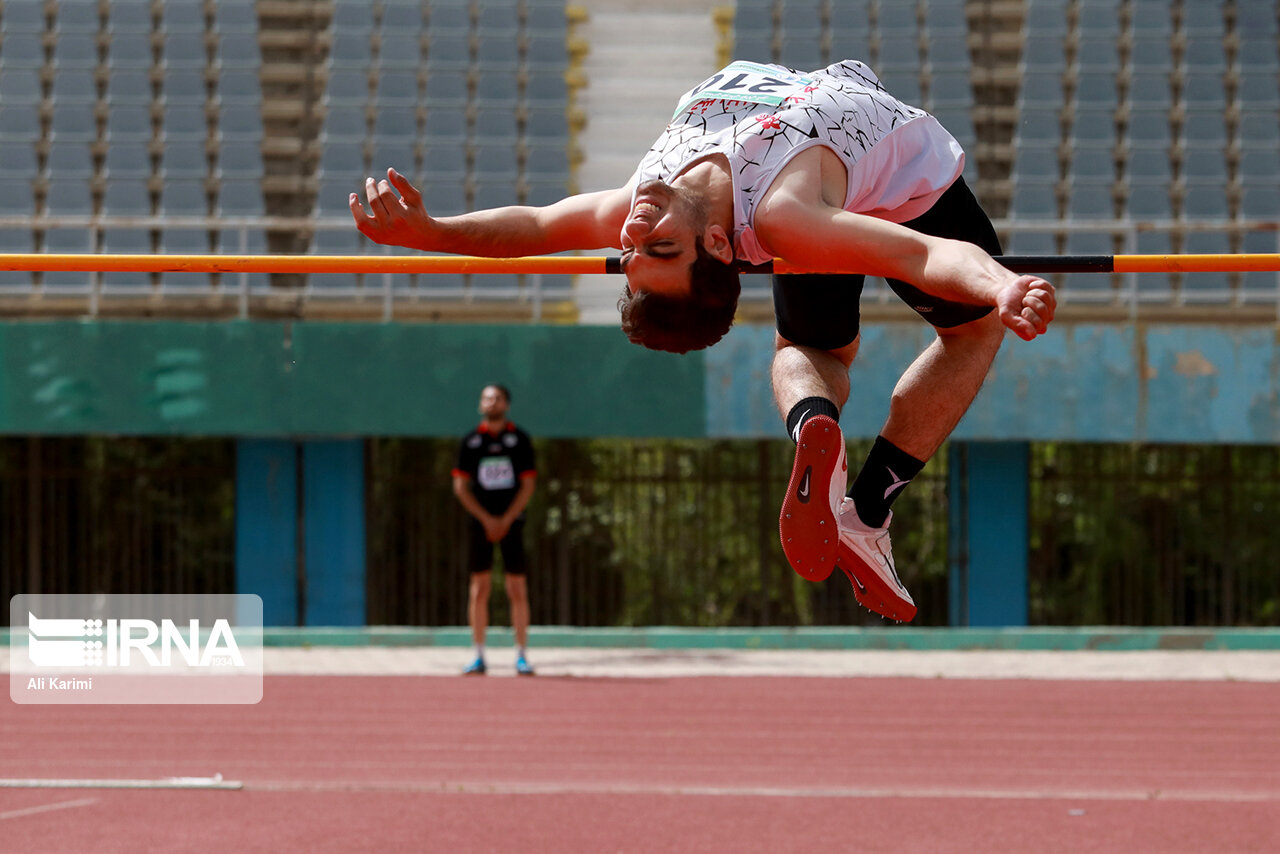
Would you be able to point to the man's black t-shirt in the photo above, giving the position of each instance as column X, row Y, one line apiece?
column 495, row 463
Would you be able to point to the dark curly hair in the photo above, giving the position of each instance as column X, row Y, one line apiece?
column 681, row 324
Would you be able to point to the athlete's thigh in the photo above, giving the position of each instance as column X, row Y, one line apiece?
column 958, row 216
column 514, row 559
column 818, row 310
column 479, row 549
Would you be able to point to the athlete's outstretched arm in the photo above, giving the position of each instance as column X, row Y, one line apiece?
column 821, row 237
column 397, row 216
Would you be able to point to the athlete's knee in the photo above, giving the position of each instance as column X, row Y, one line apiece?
column 987, row 328
column 517, row 589
column 480, row 585
column 845, row 354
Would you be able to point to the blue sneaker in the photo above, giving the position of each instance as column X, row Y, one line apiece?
column 523, row 668
column 476, row 668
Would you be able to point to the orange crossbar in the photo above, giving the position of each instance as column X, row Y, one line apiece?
column 440, row 264
column 1243, row 263
column 568, row 264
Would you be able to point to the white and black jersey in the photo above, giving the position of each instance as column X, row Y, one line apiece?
column 899, row 159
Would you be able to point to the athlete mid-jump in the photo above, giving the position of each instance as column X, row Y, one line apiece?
column 826, row 170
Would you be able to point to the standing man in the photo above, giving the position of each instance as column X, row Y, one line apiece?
column 494, row 480
column 826, row 170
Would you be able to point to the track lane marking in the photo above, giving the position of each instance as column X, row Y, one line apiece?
column 954, row 792
column 43, row 808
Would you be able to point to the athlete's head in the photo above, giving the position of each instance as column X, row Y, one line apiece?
column 495, row 400
column 682, row 289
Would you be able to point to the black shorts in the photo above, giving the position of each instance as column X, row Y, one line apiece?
column 480, row 554
column 821, row 310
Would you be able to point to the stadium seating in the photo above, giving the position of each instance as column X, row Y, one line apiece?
column 135, row 125
column 469, row 102
column 155, row 112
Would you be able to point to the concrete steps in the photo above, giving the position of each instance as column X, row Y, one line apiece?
column 643, row 57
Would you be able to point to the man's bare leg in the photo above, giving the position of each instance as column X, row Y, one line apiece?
column 478, row 616
column 929, row 400
column 799, row 372
column 931, row 397
column 478, row 606
column 937, row 389
column 518, row 595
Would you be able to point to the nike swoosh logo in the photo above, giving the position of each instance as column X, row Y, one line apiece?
column 796, row 433
column 803, row 492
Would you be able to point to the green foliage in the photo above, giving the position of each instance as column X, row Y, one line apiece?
column 117, row 515
column 1154, row 535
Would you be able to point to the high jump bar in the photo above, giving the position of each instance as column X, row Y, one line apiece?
column 569, row 264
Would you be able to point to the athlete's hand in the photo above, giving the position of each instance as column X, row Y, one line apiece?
column 396, row 216
column 1027, row 306
column 494, row 529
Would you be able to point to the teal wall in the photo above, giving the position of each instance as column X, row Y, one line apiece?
column 267, row 379
column 262, row 379
column 1082, row 382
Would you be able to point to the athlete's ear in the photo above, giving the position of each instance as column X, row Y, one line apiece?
column 717, row 242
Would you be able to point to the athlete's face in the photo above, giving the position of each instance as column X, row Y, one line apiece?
column 493, row 403
column 659, row 239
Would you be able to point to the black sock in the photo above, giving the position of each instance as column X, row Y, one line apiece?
column 806, row 409
column 884, row 475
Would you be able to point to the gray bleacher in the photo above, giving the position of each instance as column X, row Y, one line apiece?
column 921, row 58
column 468, row 101
column 154, row 113
column 1038, row 166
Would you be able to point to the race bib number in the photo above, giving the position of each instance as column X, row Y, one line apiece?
column 745, row 81
column 496, row 473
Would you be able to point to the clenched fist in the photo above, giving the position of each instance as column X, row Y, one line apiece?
column 1027, row 306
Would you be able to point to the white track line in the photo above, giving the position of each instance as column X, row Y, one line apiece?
column 61, row 805
column 922, row 792
column 215, row 782
column 1158, row 665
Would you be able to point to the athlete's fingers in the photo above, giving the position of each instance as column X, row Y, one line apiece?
column 377, row 209
column 367, row 222
column 1042, row 291
column 357, row 212
column 1039, row 311
column 390, row 198
column 1021, row 327
column 1015, row 321
column 1038, row 303
column 409, row 193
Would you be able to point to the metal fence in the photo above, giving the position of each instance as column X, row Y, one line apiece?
column 631, row 533
column 1155, row 535
column 662, row 532
column 116, row 515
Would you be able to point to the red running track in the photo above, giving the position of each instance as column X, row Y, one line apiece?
column 389, row 764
